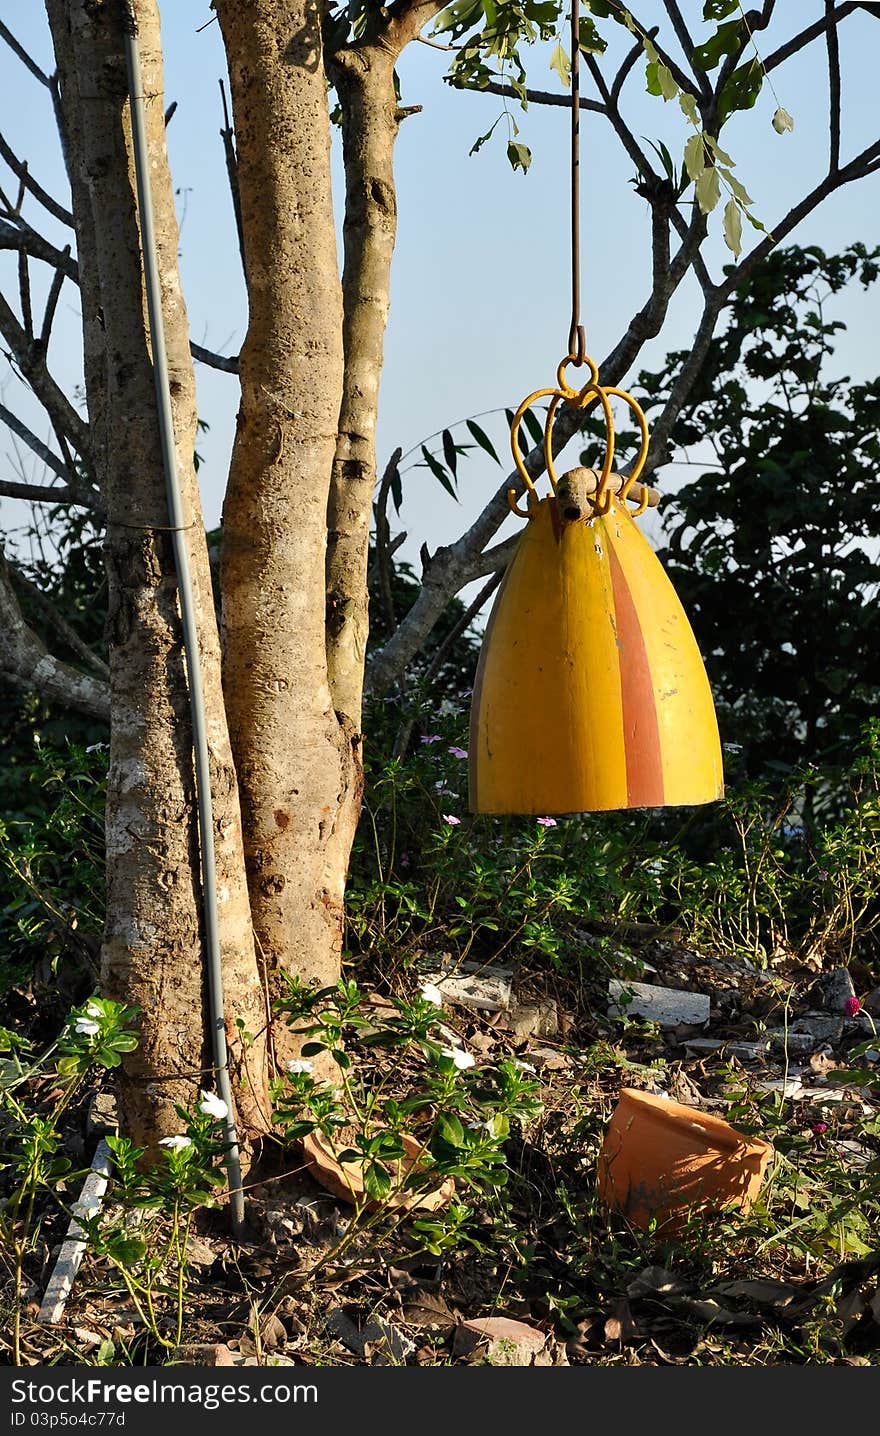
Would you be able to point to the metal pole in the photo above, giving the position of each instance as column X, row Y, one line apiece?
column 577, row 344
column 179, row 526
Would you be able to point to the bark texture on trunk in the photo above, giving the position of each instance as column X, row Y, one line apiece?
column 364, row 81
column 297, row 760
column 152, row 954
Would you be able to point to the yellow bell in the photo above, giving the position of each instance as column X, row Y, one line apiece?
column 590, row 692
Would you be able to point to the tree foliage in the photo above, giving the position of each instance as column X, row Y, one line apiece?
column 773, row 547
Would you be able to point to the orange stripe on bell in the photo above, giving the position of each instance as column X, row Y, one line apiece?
column 590, row 692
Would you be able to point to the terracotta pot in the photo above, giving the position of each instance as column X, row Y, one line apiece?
column 660, row 1159
column 345, row 1180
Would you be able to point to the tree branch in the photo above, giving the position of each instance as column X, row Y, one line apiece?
column 674, row 68
column 27, row 60
column 42, row 451
column 59, row 622
column 833, row 91
column 40, row 493
column 228, row 363
column 805, row 37
column 686, row 42
column 30, row 358
column 536, row 97
column 20, row 170
column 861, row 164
column 227, row 135
column 26, row 663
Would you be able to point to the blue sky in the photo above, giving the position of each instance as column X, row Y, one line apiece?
column 480, row 303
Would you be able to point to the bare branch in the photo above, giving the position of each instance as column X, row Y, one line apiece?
column 20, row 235
column 620, row 77
column 536, row 97
column 26, row 663
column 833, row 91
column 42, row 451
column 20, row 169
column 686, row 42
column 227, row 135
column 24, row 290
column 672, row 65
column 64, row 629
column 52, row 300
column 26, row 59
column 30, row 358
column 227, row 362
column 861, row 164
column 833, row 16
column 40, row 493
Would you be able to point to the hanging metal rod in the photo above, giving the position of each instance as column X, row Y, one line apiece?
column 577, row 344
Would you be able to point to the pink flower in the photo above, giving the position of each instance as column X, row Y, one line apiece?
column 451, row 819
column 547, row 822
column 457, row 752
column 818, row 1129
column 852, row 1006
column 430, row 738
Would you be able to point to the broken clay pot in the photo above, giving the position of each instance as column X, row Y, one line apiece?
column 661, row 1159
column 345, row 1179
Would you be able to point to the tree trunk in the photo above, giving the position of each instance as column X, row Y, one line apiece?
column 364, row 81
column 152, row 954
column 297, row 759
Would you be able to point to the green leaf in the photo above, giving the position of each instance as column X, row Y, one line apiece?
column 665, row 159
column 741, row 90
column 718, row 152
column 127, row 1250
column 782, row 121
column 739, row 190
column 726, row 41
column 688, row 105
column 482, row 439
column 377, row 1181
column 708, row 189
column 695, row 156
column 449, row 453
column 719, row 9
column 483, row 139
column 533, row 424
column 590, row 42
column 668, row 87
column 652, row 82
column 733, row 227
column 520, row 155
column 440, row 475
column 396, row 490
column 560, row 62
column 449, row 1129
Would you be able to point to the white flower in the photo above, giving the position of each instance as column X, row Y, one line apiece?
column 299, row 1065
column 94, row 1010
column 175, row 1143
column 463, row 1060
column 522, row 1066
column 429, row 992
column 86, row 1028
column 212, row 1105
